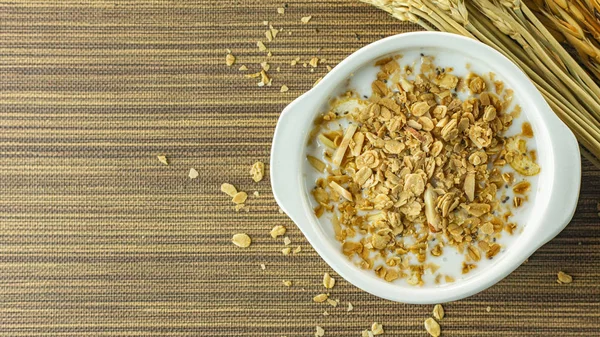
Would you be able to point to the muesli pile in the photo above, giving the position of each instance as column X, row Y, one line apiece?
column 413, row 169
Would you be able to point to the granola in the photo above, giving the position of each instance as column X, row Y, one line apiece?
column 414, row 169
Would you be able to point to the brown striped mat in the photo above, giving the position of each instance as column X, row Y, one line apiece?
column 98, row 238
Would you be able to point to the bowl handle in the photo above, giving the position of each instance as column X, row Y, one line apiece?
column 565, row 192
column 287, row 158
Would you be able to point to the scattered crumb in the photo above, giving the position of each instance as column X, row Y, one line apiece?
column 269, row 35
column 367, row 333
column 287, row 241
column 564, row 278
column 328, row 281
column 328, row 67
column 488, row 309
column 325, row 313
column 280, row 10
column 320, row 298
column 280, row 211
column 261, row 46
column 377, row 329
column 306, row 19
column 257, row 171
column 332, row 302
column 350, row 307
column 278, row 69
column 265, row 66
column 286, row 251
column 317, row 81
column 243, row 68
column 256, row 194
column 314, row 62
column 262, row 266
column 305, row 64
column 229, row 60
column 266, row 23
column 163, row 159
column 284, row 88
column 320, row 332
column 438, row 312
column 269, row 54
column 297, row 250
column 277, row 231
column 193, row 174
column 241, row 240
column 287, row 283
column 229, row 189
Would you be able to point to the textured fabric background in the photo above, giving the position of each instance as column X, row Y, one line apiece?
column 98, row 238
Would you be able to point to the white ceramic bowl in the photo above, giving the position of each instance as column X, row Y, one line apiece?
column 553, row 204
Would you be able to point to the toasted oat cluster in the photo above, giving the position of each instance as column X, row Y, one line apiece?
column 413, row 169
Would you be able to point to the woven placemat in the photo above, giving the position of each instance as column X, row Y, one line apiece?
column 97, row 237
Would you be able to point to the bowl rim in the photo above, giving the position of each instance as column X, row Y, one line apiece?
column 288, row 182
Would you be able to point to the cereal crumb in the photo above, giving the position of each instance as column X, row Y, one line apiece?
column 163, row 159
column 257, row 171
column 325, row 313
column 432, row 327
column 314, row 62
column 269, row 54
column 277, row 231
column 240, row 197
column 265, row 66
column 229, row 189
column 320, row 332
column 367, row 333
column 328, row 68
column 564, row 278
column 320, row 298
column 287, row 241
column 286, row 251
column 297, row 250
column 350, row 307
column 328, row 281
column 280, row 210
column 284, row 88
column 229, row 60
column 193, row 174
column 256, row 194
column 243, row 68
column 306, row 19
column 241, row 240
column 280, row 10
column 438, row 312
column 488, row 308
column 287, row 283
column 377, row 329
column 262, row 266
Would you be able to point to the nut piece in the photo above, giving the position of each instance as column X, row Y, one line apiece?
column 228, row 189
column 241, row 240
column 163, row 159
column 277, row 231
column 321, row 298
column 377, row 329
column 432, row 327
column 328, row 281
column 193, row 174
column 240, row 197
column 564, row 278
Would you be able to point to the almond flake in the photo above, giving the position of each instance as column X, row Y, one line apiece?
column 163, row 159
column 229, row 60
column 284, row 88
column 277, row 231
column 193, row 174
column 306, row 19
column 241, row 240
